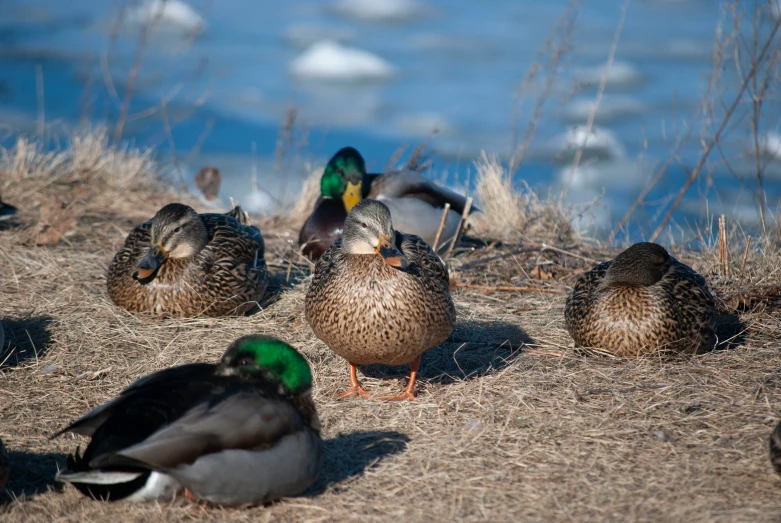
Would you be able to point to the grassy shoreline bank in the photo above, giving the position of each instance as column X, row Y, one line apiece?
column 511, row 423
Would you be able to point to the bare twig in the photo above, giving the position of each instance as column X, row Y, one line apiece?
column 445, row 210
column 716, row 137
column 39, row 94
column 745, row 255
column 723, row 248
column 507, row 288
column 456, row 237
column 565, row 25
column 597, row 99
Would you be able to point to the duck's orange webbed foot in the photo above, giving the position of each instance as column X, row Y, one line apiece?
column 406, row 395
column 355, row 388
column 409, row 392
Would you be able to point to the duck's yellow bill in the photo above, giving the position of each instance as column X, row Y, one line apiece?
column 390, row 254
column 352, row 195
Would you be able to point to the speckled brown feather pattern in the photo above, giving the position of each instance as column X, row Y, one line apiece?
column 223, row 278
column 675, row 314
column 369, row 312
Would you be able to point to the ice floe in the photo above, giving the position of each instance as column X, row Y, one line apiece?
column 378, row 10
column 331, row 61
column 171, row 14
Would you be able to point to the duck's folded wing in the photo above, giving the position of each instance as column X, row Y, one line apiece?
column 420, row 255
column 87, row 424
column 243, row 420
column 411, row 184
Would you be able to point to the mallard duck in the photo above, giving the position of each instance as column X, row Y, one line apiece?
column 645, row 300
column 415, row 202
column 184, row 264
column 775, row 449
column 5, row 467
column 379, row 296
column 242, row 432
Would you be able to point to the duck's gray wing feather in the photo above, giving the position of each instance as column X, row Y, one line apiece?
column 412, row 184
column 243, row 420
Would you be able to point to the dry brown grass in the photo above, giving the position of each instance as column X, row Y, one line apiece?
column 510, row 214
column 511, row 423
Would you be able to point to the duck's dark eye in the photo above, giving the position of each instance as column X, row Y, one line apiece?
column 363, row 225
column 243, row 362
column 178, row 229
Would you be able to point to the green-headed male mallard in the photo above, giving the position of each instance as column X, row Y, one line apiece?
column 186, row 264
column 243, row 432
column 379, row 296
column 415, row 202
column 643, row 301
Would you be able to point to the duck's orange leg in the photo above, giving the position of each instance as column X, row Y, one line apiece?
column 409, row 392
column 355, row 387
column 190, row 497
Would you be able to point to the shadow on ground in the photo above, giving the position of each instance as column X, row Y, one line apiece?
column 349, row 455
column 31, row 474
column 25, row 339
column 730, row 332
column 474, row 349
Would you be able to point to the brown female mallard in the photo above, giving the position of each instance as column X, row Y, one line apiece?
column 379, row 296
column 185, row 264
column 643, row 301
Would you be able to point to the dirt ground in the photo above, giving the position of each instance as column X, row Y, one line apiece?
column 511, row 422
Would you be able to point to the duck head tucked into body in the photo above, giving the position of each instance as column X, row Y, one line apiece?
column 642, row 302
column 641, row 264
column 368, row 229
column 242, row 432
column 177, row 232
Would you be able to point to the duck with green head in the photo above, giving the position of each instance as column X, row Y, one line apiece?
column 416, row 203
column 644, row 301
column 242, row 432
column 185, row 264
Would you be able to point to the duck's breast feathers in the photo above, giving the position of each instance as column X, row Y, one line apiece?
column 238, row 419
column 412, row 184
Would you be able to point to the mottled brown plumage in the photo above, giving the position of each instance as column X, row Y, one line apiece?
column 223, row 270
column 367, row 310
column 644, row 301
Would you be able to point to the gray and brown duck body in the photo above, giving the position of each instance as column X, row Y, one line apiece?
column 369, row 312
column 227, row 275
column 644, row 301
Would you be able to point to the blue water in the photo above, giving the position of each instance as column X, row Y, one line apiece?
column 458, row 66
